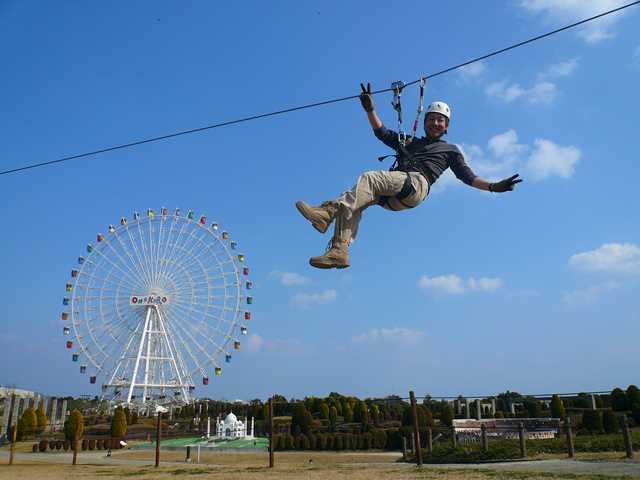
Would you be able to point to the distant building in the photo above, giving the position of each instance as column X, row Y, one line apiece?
column 469, row 430
column 55, row 408
column 231, row 428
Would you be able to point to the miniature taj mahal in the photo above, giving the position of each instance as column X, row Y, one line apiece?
column 231, row 428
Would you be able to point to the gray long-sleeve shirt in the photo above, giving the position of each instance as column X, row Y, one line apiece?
column 430, row 157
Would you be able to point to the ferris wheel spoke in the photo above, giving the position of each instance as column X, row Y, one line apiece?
column 181, row 329
column 176, row 334
column 110, row 262
column 143, row 247
column 130, row 263
column 133, row 245
column 136, row 261
column 183, row 226
column 199, row 325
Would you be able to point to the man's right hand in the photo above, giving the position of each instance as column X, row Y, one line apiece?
column 366, row 99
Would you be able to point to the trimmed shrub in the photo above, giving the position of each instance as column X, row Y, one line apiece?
column 58, row 444
column 610, row 422
column 100, row 444
column 42, row 445
column 85, row 444
column 92, row 444
column 66, row 445
column 592, row 421
column 34, row 448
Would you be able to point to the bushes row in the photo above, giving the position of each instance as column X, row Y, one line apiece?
column 86, row 444
column 374, row 439
column 510, row 449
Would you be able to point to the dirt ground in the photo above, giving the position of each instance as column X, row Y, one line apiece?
column 297, row 465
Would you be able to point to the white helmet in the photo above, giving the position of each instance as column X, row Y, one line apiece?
column 439, row 107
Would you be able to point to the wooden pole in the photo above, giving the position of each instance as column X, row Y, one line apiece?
column 416, row 430
column 271, row 446
column 404, row 447
column 158, row 439
column 11, row 430
column 627, row 437
column 567, row 425
column 483, row 438
column 76, row 440
column 523, row 440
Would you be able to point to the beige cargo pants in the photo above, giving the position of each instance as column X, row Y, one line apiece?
column 367, row 191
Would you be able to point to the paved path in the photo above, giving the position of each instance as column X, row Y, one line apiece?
column 605, row 468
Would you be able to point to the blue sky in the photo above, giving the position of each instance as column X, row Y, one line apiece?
column 471, row 293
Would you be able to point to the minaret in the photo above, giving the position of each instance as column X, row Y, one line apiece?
column 208, row 427
column 253, row 421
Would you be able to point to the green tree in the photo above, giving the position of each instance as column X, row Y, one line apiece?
column 446, row 416
column 324, row 411
column 633, row 397
column 28, row 423
column 301, row 418
column 119, row 423
column 42, row 419
column 610, row 422
column 73, row 430
column 618, row 400
column 127, row 415
column 557, row 407
column 592, row 421
column 363, row 413
column 375, row 414
column 532, row 406
column 347, row 412
column 333, row 416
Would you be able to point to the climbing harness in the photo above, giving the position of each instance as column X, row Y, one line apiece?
column 403, row 156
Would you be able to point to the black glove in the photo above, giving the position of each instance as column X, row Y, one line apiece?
column 505, row 185
column 366, row 99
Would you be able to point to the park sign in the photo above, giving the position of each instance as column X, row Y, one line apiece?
column 146, row 300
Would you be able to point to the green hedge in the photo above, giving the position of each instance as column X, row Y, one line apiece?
column 510, row 449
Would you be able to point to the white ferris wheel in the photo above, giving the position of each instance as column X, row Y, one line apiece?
column 156, row 305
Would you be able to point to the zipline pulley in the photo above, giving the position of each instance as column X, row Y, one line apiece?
column 397, row 106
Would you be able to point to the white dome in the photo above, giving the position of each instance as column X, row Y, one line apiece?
column 230, row 419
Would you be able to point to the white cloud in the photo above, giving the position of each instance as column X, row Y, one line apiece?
column 557, row 11
column 308, row 300
column 543, row 92
column 561, row 69
column 588, row 296
column 609, row 258
column 506, row 156
column 549, row 159
column 402, row 336
column 290, row 279
column 484, row 284
column 454, row 285
column 473, row 70
column 506, row 144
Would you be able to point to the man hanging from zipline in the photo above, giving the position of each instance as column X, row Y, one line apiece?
column 419, row 163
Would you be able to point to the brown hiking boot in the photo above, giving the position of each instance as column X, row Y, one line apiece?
column 337, row 256
column 320, row 217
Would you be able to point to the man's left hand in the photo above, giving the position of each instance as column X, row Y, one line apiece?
column 505, row 185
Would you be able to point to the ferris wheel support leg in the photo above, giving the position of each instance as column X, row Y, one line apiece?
column 172, row 355
column 142, row 340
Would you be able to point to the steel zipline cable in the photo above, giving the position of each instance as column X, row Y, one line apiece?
column 317, row 104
